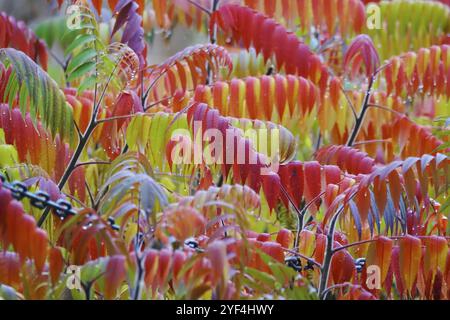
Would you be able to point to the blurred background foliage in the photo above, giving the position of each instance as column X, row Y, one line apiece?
column 34, row 12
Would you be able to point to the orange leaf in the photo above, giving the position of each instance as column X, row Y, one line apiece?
column 98, row 5
column 409, row 260
column 363, row 203
column 112, row 4
column 184, row 223
column 307, row 243
column 380, row 254
column 285, row 238
column 436, row 250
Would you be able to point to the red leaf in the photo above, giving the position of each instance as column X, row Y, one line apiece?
column 319, row 252
column 13, row 220
column 357, row 293
column 270, row 38
column 447, row 274
column 395, row 266
column 151, row 267
column 342, row 267
column 114, row 276
column 313, row 180
column 5, row 199
column 274, row 250
column 28, row 226
column 362, row 50
column 271, row 187
column 15, row 34
column 217, row 254
column 39, row 249
column 179, row 259
column 263, row 237
column 296, row 183
column 9, row 269
column 165, row 263
column 56, row 264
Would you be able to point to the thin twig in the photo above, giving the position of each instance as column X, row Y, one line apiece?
column 300, row 215
column 351, row 245
column 82, row 164
column 361, row 143
column 336, row 286
column 130, row 116
column 349, row 101
column 91, row 196
column 319, row 141
column 297, row 254
column 199, row 6
column 360, row 119
column 385, row 109
column 80, row 134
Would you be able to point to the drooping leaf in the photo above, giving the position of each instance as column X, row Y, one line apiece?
column 252, row 28
column 133, row 33
column 56, row 264
column 409, row 260
column 38, row 148
column 187, row 69
column 135, row 175
column 379, row 254
column 114, row 275
column 45, row 100
column 15, row 34
column 362, row 53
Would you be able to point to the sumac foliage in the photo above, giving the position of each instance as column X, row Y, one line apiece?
column 300, row 152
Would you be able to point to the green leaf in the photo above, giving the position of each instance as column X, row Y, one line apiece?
column 85, row 57
column 130, row 180
column 8, row 155
column 81, row 70
column 261, row 277
column 52, row 31
column 87, row 83
column 79, row 41
column 446, row 206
